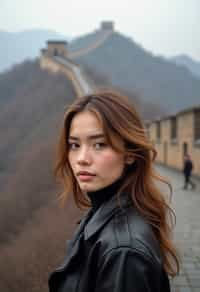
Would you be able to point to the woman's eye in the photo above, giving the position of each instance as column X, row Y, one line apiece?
column 100, row 145
column 73, row 145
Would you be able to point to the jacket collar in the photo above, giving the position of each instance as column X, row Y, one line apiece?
column 80, row 227
column 105, row 213
column 90, row 225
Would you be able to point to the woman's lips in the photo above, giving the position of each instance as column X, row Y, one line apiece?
column 86, row 177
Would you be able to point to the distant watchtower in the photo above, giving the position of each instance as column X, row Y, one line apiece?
column 57, row 48
column 107, row 25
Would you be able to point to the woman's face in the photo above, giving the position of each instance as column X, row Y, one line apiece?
column 95, row 164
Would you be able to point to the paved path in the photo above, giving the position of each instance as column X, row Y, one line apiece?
column 186, row 205
column 85, row 84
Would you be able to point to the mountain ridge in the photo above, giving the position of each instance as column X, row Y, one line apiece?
column 188, row 62
column 131, row 67
column 19, row 46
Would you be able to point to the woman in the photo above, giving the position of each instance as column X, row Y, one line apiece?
column 106, row 161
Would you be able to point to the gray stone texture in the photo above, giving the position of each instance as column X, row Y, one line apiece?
column 186, row 205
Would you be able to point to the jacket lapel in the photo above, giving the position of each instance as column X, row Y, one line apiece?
column 73, row 250
column 73, row 245
column 105, row 213
column 80, row 228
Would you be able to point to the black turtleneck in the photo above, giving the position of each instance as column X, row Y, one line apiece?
column 100, row 196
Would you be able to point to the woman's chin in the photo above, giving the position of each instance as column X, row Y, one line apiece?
column 85, row 187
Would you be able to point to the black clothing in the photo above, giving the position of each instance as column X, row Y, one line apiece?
column 188, row 181
column 188, row 167
column 113, row 250
column 97, row 198
column 187, row 170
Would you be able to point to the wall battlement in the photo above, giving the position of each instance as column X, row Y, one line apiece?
column 107, row 25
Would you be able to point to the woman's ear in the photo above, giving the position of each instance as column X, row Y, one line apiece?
column 129, row 158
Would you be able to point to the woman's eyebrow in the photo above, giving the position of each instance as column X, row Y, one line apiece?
column 90, row 137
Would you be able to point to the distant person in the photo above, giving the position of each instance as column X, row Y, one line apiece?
column 106, row 162
column 187, row 170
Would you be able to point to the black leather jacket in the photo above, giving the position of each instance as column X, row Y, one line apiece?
column 114, row 250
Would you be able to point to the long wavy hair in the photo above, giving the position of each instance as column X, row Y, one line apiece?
column 121, row 121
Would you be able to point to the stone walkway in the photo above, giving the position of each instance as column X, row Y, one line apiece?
column 186, row 204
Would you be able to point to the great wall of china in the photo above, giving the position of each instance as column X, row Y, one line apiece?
column 57, row 58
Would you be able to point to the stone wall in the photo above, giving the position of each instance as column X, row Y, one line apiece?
column 171, row 151
column 48, row 63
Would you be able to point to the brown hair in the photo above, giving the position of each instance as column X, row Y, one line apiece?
column 120, row 120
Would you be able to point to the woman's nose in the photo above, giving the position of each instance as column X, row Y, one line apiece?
column 84, row 156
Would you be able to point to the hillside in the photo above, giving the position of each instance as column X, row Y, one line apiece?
column 16, row 47
column 155, row 80
column 148, row 110
column 32, row 104
column 32, row 111
column 84, row 41
column 132, row 68
column 187, row 62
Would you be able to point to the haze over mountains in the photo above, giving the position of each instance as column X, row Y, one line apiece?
column 16, row 47
column 188, row 62
column 130, row 67
column 123, row 62
column 33, row 229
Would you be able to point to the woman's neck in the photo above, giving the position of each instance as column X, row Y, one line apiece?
column 100, row 196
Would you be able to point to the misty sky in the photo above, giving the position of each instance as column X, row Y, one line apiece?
column 165, row 27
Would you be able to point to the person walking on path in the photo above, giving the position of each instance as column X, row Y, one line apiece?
column 187, row 170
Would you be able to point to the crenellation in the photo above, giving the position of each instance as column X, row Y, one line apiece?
column 57, row 48
column 107, row 25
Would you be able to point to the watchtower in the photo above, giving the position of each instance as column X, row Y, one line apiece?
column 107, row 25
column 56, row 48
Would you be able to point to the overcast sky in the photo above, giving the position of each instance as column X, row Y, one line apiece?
column 164, row 27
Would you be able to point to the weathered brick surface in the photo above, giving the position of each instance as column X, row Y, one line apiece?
column 171, row 152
